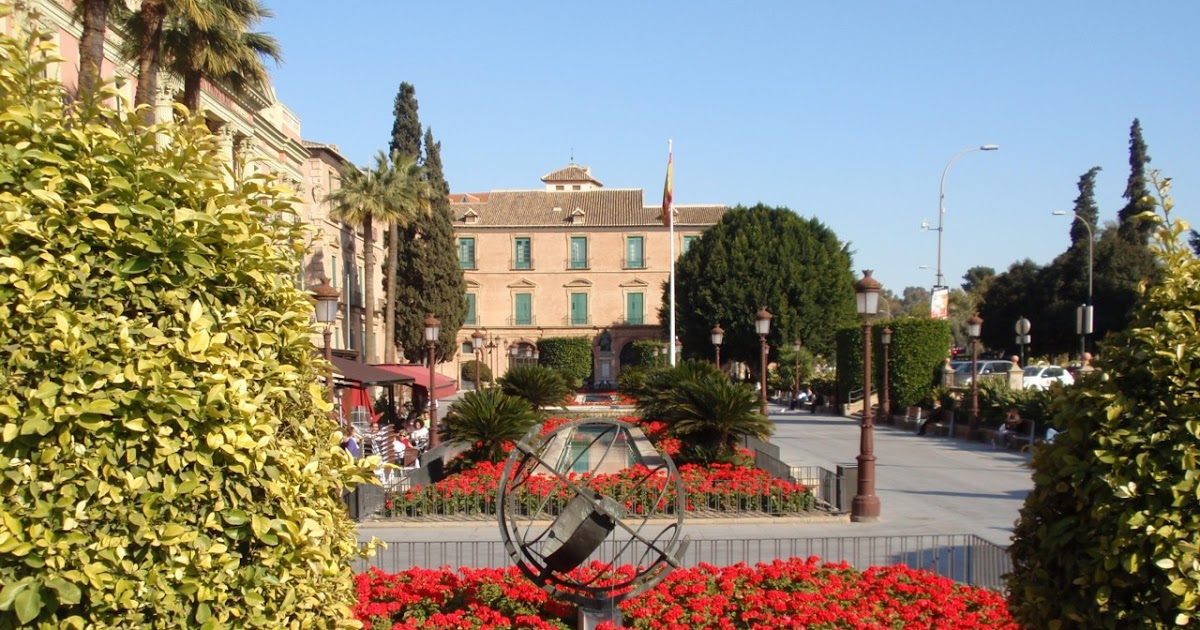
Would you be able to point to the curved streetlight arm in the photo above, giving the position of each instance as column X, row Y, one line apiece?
column 1091, row 239
column 942, row 201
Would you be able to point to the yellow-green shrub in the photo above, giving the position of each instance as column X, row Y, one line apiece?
column 166, row 460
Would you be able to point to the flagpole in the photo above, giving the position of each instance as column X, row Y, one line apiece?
column 671, row 231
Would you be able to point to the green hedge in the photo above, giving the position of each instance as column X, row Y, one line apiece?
column 919, row 347
column 569, row 356
column 645, row 354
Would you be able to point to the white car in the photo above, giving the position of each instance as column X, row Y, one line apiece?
column 1040, row 376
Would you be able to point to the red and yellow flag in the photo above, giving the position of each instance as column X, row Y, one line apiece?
column 666, row 215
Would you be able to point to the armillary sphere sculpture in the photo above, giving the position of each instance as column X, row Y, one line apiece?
column 556, row 516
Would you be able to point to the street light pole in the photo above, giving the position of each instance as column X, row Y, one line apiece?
column 327, row 303
column 433, row 328
column 885, row 405
column 718, row 336
column 1085, row 317
column 865, row 506
column 477, row 347
column 796, row 345
column 974, row 328
column 762, row 325
column 942, row 203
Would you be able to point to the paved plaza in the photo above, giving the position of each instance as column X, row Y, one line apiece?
column 926, row 486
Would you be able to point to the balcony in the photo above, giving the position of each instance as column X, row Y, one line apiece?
column 521, row 321
column 575, row 264
column 577, row 320
column 520, row 265
column 633, row 263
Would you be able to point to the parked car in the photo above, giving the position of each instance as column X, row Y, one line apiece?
column 987, row 370
column 1040, row 376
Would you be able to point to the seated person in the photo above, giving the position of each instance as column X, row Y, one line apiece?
column 1013, row 425
column 349, row 442
column 419, row 434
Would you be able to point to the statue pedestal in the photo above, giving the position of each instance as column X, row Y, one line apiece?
column 589, row 618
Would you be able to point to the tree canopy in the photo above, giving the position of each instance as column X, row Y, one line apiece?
column 763, row 256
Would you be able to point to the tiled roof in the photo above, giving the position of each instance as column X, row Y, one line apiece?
column 468, row 197
column 601, row 208
column 572, row 173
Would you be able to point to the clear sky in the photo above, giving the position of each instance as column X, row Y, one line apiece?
column 843, row 111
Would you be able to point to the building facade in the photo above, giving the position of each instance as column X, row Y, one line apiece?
column 569, row 259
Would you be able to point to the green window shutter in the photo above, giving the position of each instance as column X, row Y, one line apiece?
column 522, row 250
column 633, row 308
column 470, row 319
column 688, row 241
column 466, row 253
column 579, row 304
column 579, row 253
column 634, row 258
column 523, row 309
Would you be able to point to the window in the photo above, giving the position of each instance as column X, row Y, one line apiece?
column 575, row 187
column 634, row 258
column 559, row 187
column 579, row 309
column 468, row 348
column 633, row 308
column 466, row 253
column 688, row 241
column 333, row 277
column 523, row 309
column 579, row 253
column 522, row 253
column 470, row 318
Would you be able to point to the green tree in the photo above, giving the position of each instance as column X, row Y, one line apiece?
column 408, row 199
column 1107, row 538
column 159, row 377
column 1137, row 191
column 914, row 302
column 539, row 386
column 763, row 256
column 93, row 16
column 486, row 419
column 223, row 49
column 976, row 279
column 146, row 26
column 406, row 125
column 432, row 282
column 363, row 195
column 569, row 356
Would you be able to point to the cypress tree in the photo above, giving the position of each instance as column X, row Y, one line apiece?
column 431, row 279
column 1085, row 208
column 406, row 125
column 1136, row 191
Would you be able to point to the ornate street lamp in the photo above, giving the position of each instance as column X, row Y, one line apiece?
column 433, row 329
column 514, row 353
column 885, row 408
column 974, row 326
column 326, row 313
column 718, row 336
column 762, row 325
column 865, row 506
column 477, row 347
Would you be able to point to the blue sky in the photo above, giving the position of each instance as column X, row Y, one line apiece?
column 843, row 111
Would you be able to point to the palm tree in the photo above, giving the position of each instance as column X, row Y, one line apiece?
column 656, row 398
column 540, row 386
column 712, row 416
column 146, row 27
column 94, row 16
column 408, row 197
column 226, row 50
column 363, row 194
column 487, row 419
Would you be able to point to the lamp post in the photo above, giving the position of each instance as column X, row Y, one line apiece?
column 326, row 313
column 942, row 202
column 974, row 326
column 865, row 506
column 477, row 346
column 433, row 328
column 885, row 405
column 718, row 336
column 762, row 325
column 1022, row 328
column 491, row 355
column 796, row 345
column 514, row 353
column 536, row 356
column 1083, row 318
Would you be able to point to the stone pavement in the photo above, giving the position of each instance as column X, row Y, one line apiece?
column 926, row 485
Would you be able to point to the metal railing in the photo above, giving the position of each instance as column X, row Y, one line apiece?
column 964, row 558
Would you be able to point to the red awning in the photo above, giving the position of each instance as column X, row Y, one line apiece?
column 360, row 374
column 443, row 386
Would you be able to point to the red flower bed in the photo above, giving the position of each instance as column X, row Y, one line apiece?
column 793, row 593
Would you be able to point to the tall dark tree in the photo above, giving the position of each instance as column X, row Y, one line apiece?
column 1194, row 240
column 406, row 125
column 1085, row 209
column 1019, row 292
column 431, row 280
column 763, row 256
column 93, row 14
column 1137, row 191
column 976, row 279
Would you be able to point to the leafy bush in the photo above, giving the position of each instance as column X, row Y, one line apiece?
column 167, row 459
column 486, row 419
column 644, row 354
column 467, row 371
column 539, row 386
column 632, row 381
column 570, row 356
column 1108, row 537
column 917, row 350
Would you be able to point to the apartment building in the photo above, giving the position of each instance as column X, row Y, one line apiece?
column 571, row 258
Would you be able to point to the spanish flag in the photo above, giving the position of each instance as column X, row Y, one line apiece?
column 666, row 215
